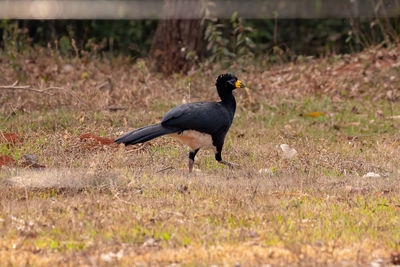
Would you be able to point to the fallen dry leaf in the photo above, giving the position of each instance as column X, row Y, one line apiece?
column 12, row 138
column 6, row 160
column 97, row 139
column 315, row 114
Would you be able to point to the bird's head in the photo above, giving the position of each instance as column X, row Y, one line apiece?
column 226, row 83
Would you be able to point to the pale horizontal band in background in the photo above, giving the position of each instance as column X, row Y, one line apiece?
column 194, row 9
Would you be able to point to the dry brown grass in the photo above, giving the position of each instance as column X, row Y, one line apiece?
column 90, row 83
column 100, row 204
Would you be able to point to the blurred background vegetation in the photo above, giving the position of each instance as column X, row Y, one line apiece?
column 273, row 40
column 133, row 37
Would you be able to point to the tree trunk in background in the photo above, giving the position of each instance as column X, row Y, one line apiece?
column 177, row 43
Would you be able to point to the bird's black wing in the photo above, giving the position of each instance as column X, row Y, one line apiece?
column 206, row 117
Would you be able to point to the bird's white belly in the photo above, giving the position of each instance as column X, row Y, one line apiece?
column 195, row 139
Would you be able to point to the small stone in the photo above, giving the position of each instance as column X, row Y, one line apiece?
column 31, row 158
column 288, row 152
column 372, row 175
column 150, row 242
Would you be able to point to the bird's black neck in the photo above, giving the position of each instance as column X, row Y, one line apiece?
column 228, row 100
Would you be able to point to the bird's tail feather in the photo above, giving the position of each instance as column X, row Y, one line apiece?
column 144, row 134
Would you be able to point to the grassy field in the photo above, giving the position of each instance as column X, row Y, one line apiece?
column 88, row 202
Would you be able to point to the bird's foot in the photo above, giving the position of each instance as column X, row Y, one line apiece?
column 229, row 164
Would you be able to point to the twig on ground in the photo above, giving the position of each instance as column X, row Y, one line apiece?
column 277, row 194
column 30, row 88
column 117, row 108
column 121, row 200
column 14, row 86
column 165, row 169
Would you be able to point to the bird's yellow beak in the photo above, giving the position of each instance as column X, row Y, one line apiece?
column 239, row 84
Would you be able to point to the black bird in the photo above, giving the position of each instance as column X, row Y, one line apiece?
column 199, row 125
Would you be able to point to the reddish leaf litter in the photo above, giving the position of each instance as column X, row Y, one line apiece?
column 9, row 138
column 6, row 160
column 96, row 139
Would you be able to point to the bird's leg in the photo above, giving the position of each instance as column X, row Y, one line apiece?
column 227, row 163
column 191, row 163
column 230, row 164
column 192, row 154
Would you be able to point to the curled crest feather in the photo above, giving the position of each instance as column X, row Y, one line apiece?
column 223, row 78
